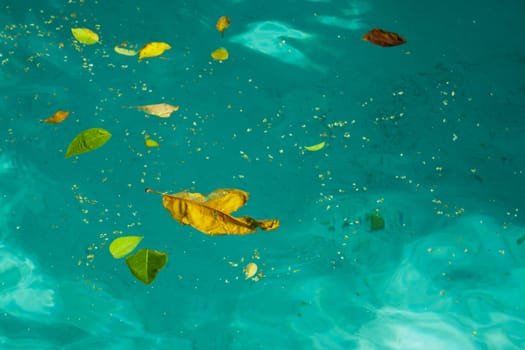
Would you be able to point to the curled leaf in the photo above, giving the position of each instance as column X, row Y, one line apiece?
column 210, row 214
column 220, row 54
column 162, row 110
column 153, row 49
column 222, row 23
column 146, row 263
column 123, row 51
column 250, row 270
column 316, row 147
column 85, row 36
column 58, row 117
column 88, row 140
column 122, row 246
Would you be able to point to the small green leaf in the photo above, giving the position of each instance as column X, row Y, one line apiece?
column 146, row 263
column 88, row 140
column 122, row 246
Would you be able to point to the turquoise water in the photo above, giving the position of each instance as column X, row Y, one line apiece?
column 427, row 135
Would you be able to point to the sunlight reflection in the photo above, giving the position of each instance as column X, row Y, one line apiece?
column 270, row 38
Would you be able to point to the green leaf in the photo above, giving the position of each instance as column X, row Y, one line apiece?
column 122, row 246
column 146, row 263
column 88, row 140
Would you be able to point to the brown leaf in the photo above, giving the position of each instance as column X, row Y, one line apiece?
column 58, row 117
column 210, row 214
column 162, row 110
column 383, row 38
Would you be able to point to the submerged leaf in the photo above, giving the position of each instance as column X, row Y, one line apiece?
column 376, row 221
column 88, row 140
column 122, row 246
column 85, row 36
column 222, row 23
column 210, row 214
column 220, row 54
column 58, row 117
column 153, row 49
column 162, row 110
column 314, row 148
column 146, row 263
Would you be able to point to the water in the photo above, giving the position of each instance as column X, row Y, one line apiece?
column 427, row 134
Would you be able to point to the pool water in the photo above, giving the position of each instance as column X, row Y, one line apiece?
column 401, row 228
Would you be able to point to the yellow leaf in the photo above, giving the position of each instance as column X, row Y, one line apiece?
column 126, row 52
column 220, row 54
column 202, row 212
column 314, row 148
column 85, row 35
column 122, row 246
column 222, row 23
column 162, row 110
column 58, row 117
column 153, row 49
column 250, row 270
column 151, row 143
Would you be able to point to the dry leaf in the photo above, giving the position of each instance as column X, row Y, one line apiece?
column 222, row 23
column 162, row 110
column 153, row 49
column 58, row 117
column 210, row 214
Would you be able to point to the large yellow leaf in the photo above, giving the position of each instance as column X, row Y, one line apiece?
column 210, row 214
column 162, row 110
column 153, row 49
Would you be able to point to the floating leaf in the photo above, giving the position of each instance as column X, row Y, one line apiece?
column 123, row 51
column 250, row 270
column 314, row 148
column 146, row 263
column 122, row 246
column 210, row 214
column 153, row 49
column 85, row 35
column 151, row 143
column 88, row 140
column 383, row 38
column 162, row 110
column 222, row 23
column 58, row 117
column 220, row 54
